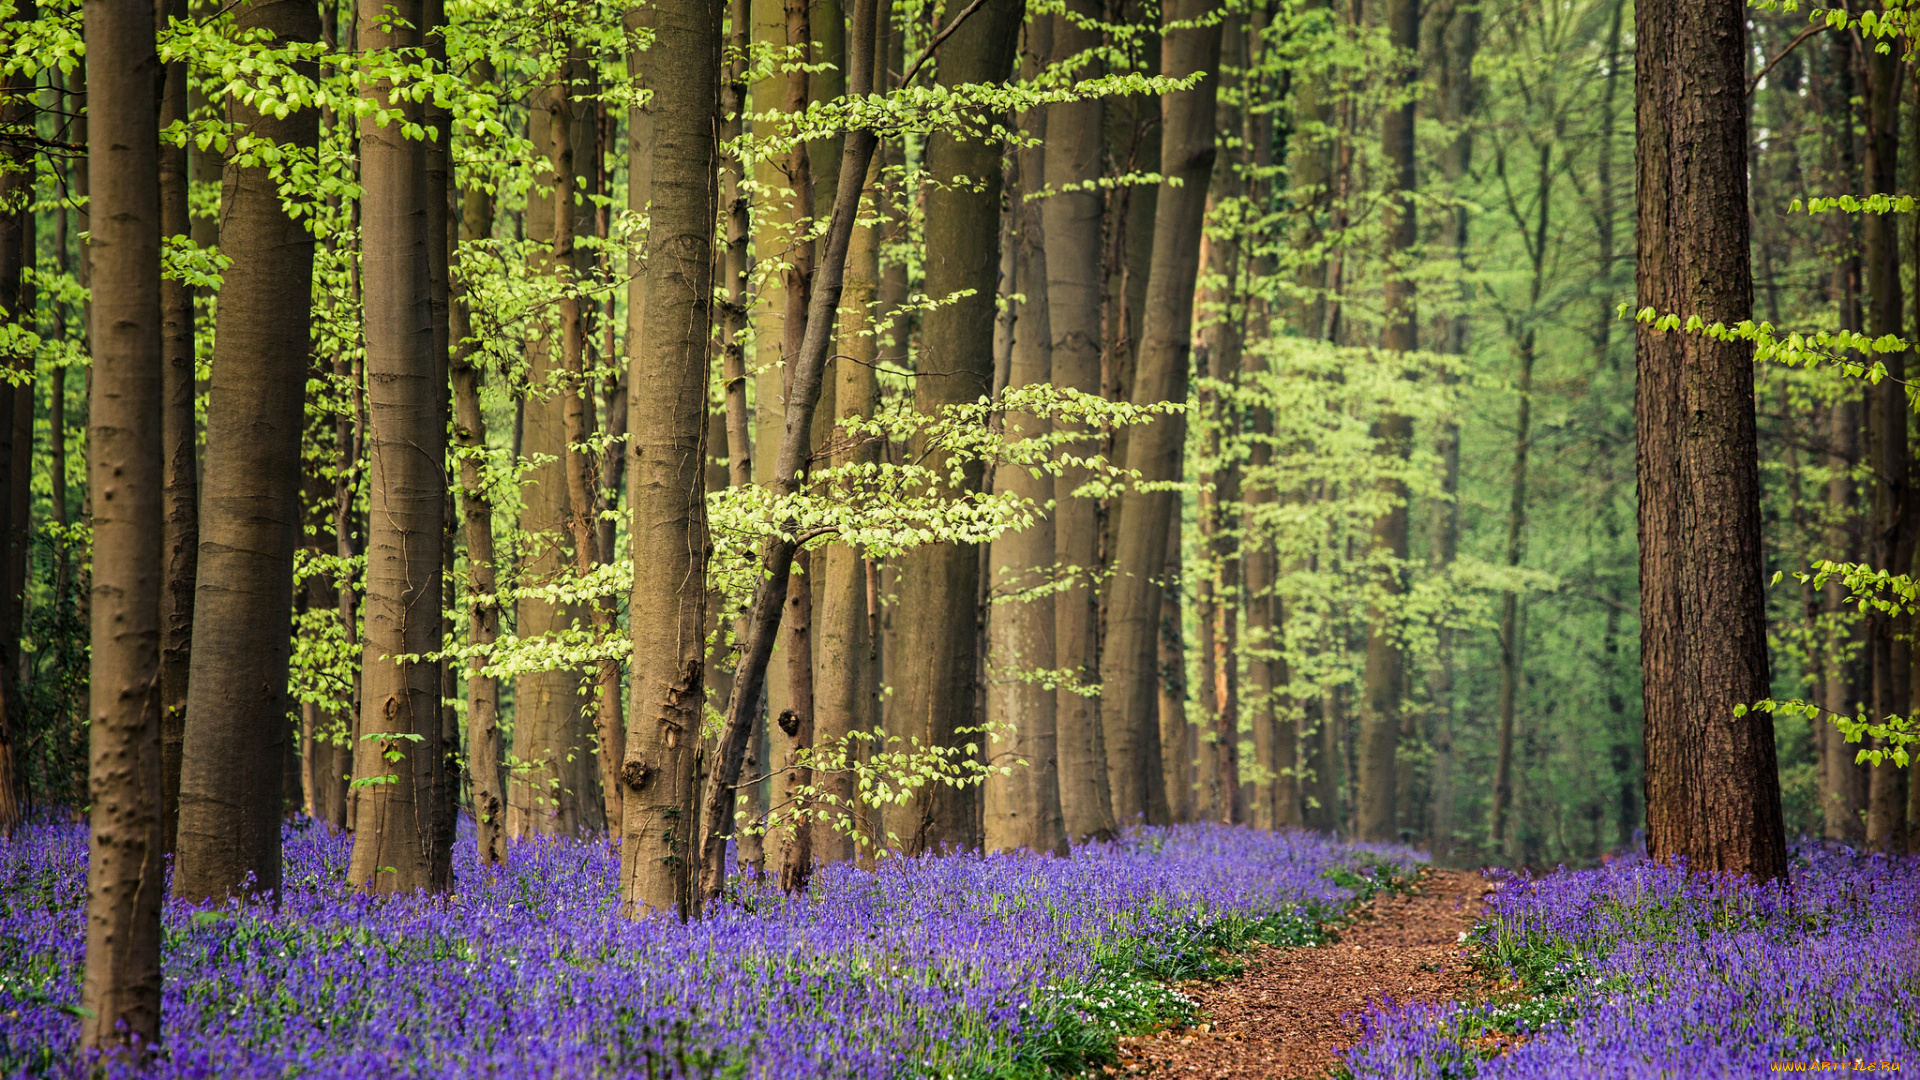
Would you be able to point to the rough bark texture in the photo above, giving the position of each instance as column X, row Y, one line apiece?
column 251, row 518
column 181, row 540
column 1072, row 225
column 1380, row 716
column 665, row 485
column 397, row 828
column 941, row 582
column 1022, row 807
column 1713, row 794
column 120, row 990
column 1127, row 666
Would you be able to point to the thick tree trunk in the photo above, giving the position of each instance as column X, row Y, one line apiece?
column 1127, row 666
column 1375, row 811
column 396, row 822
column 181, row 541
column 251, row 519
column 940, row 582
column 1713, row 795
column 1023, row 807
column 120, row 990
column 665, row 487
column 1071, row 222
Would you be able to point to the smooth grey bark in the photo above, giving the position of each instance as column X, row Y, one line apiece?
column 251, row 519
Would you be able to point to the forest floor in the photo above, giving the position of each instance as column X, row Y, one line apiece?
column 1292, row 1010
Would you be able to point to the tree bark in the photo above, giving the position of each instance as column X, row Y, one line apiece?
column 1128, row 666
column 1713, row 795
column 181, row 541
column 665, row 485
column 940, row 582
column 251, row 520
column 396, row 827
column 1071, row 221
column 120, row 990
column 1376, row 816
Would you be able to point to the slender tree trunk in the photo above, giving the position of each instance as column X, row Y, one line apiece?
column 1713, row 794
column 1180, row 760
column 665, row 488
column 940, row 582
column 554, row 789
column 120, row 990
column 237, row 706
column 1071, row 221
column 1376, row 816
column 485, row 755
column 181, row 542
column 396, row 830
column 1127, row 665
column 1023, row 807
column 777, row 552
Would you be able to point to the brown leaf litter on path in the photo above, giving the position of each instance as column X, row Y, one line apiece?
column 1282, row 1018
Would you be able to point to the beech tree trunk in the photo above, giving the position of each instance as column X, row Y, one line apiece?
column 1128, row 666
column 1713, row 795
column 940, row 582
column 120, row 989
column 1022, row 808
column 181, row 542
column 1375, row 810
column 1075, row 281
column 665, row 485
column 251, row 519
column 397, row 755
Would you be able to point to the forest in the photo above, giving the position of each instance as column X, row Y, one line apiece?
column 958, row 538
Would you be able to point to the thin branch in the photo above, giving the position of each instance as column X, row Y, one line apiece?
column 945, row 32
column 1754, row 83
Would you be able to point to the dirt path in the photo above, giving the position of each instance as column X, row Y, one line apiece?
column 1282, row 1018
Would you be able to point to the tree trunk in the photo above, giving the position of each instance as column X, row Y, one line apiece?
column 940, row 582
column 665, row 487
column 251, row 520
column 485, row 755
column 396, row 826
column 845, row 701
column 1072, row 224
column 1376, row 816
column 778, row 551
column 1023, row 807
column 120, row 990
column 554, row 789
column 1127, row 666
column 1713, row 794
column 180, row 444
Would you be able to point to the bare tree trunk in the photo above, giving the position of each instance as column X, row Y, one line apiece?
column 396, row 827
column 777, row 552
column 665, row 486
column 181, row 541
column 1713, row 794
column 940, row 582
column 1072, row 224
column 251, row 520
column 1128, row 662
column 485, row 754
column 1023, row 807
column 1180, row 761
column 120, row 990
column 1376, row 816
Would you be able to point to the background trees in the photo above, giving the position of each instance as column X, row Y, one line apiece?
column 1378, row 574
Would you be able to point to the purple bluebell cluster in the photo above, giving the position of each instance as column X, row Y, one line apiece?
column 927, row 967
column 1640, row 970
